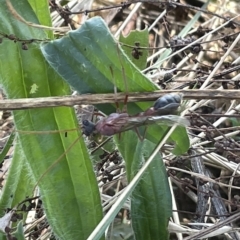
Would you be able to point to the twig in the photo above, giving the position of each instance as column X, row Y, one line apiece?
column 27, row 103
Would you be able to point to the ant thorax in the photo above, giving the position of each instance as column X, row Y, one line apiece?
column 112, row 124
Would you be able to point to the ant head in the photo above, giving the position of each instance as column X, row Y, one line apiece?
column 88, row 127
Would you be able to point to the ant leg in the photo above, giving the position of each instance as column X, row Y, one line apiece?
column 125, row 82
column 126, row 91
column 115, row 91
column 139, row 135
column 144, row 132
column 165, row 24
column 119, row 136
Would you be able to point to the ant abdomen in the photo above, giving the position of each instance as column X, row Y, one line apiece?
column 167, row 104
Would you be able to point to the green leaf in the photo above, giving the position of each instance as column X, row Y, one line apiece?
column 19, row 233
column 179, row 137
column 41, row 9
column 151, row 204
column 138, row 39
column 17, row 185
column 69, row 187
